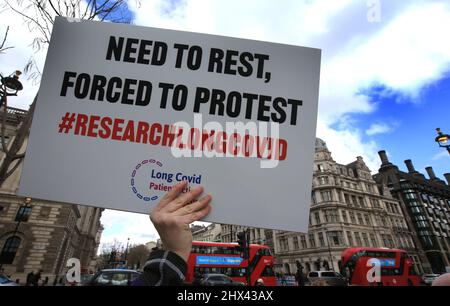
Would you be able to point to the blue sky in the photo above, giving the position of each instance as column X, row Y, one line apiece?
column 385, row 73
column 407, row 125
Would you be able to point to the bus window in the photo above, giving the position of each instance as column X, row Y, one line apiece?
column 268, row 271
column 328, row 274
column 412, row 270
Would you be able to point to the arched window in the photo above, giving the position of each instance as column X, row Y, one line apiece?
column 9, row 250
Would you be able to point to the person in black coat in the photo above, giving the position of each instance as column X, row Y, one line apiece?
column 30, row 277
column 36, row 278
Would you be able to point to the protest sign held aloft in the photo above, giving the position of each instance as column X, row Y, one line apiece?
column 125, row 112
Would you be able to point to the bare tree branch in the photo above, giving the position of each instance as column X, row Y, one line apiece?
column 39, row 16
column 2, row 46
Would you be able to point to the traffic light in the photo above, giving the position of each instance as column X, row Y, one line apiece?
column 243, row 244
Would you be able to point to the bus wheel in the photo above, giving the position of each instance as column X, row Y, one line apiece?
column 410, row 283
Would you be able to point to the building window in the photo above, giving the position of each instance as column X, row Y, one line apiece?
column 326, row 196
column 303, row 242
column 361, row 202
column 360, row 219
column 335, row 216
column 312, row 241
column 9, row 250
column 387, row 240
column 295, row 241
column 367, row 218
column 335, row 238
column 323, row 180
column 352, row 217
column 372, row 239
column 330, row 216
column 365, row 239
column 317, row 217
column 396, row 210
column 410, row 194
column 44, row 212
column 358, row 239
column 321, row 240
column 320, row 168
column 344, row 216
column 346, row 198
column 349, row 238
column 284, row 244
column 23, row 214
column 375, row 203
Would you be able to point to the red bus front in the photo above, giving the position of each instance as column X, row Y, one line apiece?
column 225, row 258
column 395, row 267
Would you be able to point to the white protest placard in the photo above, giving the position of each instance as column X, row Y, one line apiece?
column 125, row 112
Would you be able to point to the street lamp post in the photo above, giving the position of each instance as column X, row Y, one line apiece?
column 10, row 86
column 126, row 251
column 443, row 140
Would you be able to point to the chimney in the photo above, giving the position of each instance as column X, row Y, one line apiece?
column 431, row 173
column 383, row 157
column 410, row 166
column 447, row 177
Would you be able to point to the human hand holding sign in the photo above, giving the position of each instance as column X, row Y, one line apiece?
column 175, row 212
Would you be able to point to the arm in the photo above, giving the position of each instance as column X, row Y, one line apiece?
column 171, row 218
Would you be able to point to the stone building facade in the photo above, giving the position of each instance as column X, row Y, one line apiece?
column 347, row 210
column 210, row 233
column 41, row 235
column 426, row 205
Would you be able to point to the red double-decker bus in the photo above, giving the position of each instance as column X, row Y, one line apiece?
column 225, row 258
column 396, row 268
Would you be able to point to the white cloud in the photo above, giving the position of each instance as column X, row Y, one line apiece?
column 121, row 225
column 346, row 144
column 441, row 155
column 379, row 128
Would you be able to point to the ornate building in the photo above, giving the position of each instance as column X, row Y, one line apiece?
column 347, row 210
column 426, row 204
column 41, row 235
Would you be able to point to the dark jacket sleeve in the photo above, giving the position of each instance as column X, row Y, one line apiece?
column 163, row 268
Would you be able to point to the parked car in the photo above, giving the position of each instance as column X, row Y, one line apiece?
column 428, row 279
column 219, row 280
column 6, row 281
column 113, row 277
column 327, row 278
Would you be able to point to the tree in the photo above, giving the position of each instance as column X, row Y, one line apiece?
column 40, row 16
column 137, row 256
column 3, row 48
column 110, row 252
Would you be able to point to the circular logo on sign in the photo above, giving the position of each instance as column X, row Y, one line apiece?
column 140, row 170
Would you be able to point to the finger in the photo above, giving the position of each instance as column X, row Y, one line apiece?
column 184, row 199
column 171, row 194
column 196, row 216
column 193, row 207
